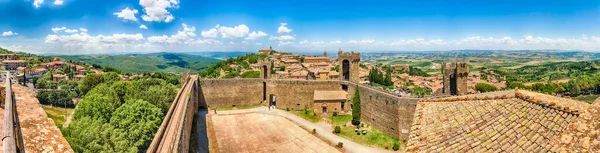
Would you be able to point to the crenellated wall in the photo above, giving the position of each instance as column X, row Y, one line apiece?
column 386, row 112
column 298, row 93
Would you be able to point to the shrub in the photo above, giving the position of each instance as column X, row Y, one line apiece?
column 484, row 87
column 287, row 109
column 341, row 144
column 396, row 146
column 337, row 129
column 335, row 113
column 355, row 122
column 314, row 131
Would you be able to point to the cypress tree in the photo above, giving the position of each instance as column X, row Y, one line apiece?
column 356, row 107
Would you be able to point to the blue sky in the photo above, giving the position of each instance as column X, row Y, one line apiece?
column 108, row 26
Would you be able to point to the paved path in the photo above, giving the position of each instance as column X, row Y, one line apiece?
column 323, row 130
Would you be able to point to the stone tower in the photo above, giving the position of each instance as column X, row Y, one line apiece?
column 325, row 53
column 455, row 78
column 265, row 68
column 349, row 63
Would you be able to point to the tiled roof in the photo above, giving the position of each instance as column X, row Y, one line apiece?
column 583, row 135
column 13, row 61
column 505, row 121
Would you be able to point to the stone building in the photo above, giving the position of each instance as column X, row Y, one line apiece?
column 13, row 64
column 349, row 63
column 400, row 67
column 11, row 56
column 455, row 78
column 330, row 101
column 266, row 51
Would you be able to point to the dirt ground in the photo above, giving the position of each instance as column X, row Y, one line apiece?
column 254, row 132
column 39, row 132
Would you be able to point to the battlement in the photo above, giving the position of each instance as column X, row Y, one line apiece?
column 349, row 55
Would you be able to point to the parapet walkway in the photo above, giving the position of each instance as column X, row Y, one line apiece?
column 323, row 130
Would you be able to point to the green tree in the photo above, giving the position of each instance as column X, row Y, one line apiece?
column 139, row 120
column 98, row 104
column 111, row 77
column 484, row 87
column 282, row 68
column 251, row 74
column 89, row 82
column 356, row 107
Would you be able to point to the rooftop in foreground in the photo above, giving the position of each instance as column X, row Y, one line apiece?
column 506, row 121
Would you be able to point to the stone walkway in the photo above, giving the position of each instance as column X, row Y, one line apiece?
column 323, row 130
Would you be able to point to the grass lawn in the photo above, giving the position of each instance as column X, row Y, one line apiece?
column 57, row 114
column 238, row 107
column 310, row 116
column 374, row 137
column 341, row 119
column 586, row 98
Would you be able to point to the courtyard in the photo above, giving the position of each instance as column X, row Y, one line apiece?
column 256, row 132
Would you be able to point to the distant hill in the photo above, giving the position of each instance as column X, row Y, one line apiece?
column 220, row 55
column 153, row 62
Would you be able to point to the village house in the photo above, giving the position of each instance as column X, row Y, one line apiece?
column 290, row 62
column 54, row 65
column 400, row 67
column 78, row 77
column 329, row 102
column 10, row 56
column 58, row 77
column 300, row 75
column 13, row 64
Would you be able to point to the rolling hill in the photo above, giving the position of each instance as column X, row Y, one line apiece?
column 153, row 62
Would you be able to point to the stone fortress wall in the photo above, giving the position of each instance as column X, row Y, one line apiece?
column 386, row 112
column 228, row 92
column 296, row 94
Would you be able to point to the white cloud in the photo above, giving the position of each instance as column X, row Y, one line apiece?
column 84, row 42
column 37, row 3
column 71, row 31
column 143, row 27
column 211, row 33
column 283, row 28
column 234, row 32
column 156, row 10
column 66, row 30
column 186, row 36
column 58, row 2
column 282, row 38
column 127, row 14
column 258, row 44
column 9, row 33
column 55, row 30
column 305, row 42
column 253, row 35
column 286, row 43
column 207, row 41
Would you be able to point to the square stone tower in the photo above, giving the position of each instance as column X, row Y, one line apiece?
column 349, row 63
column 455, row 78
column 265, row 68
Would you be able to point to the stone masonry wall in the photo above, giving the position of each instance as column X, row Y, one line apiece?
column 228, row 92
column 298, row 93
column 388, row 113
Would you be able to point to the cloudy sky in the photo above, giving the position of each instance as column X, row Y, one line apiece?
column 122, row 26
